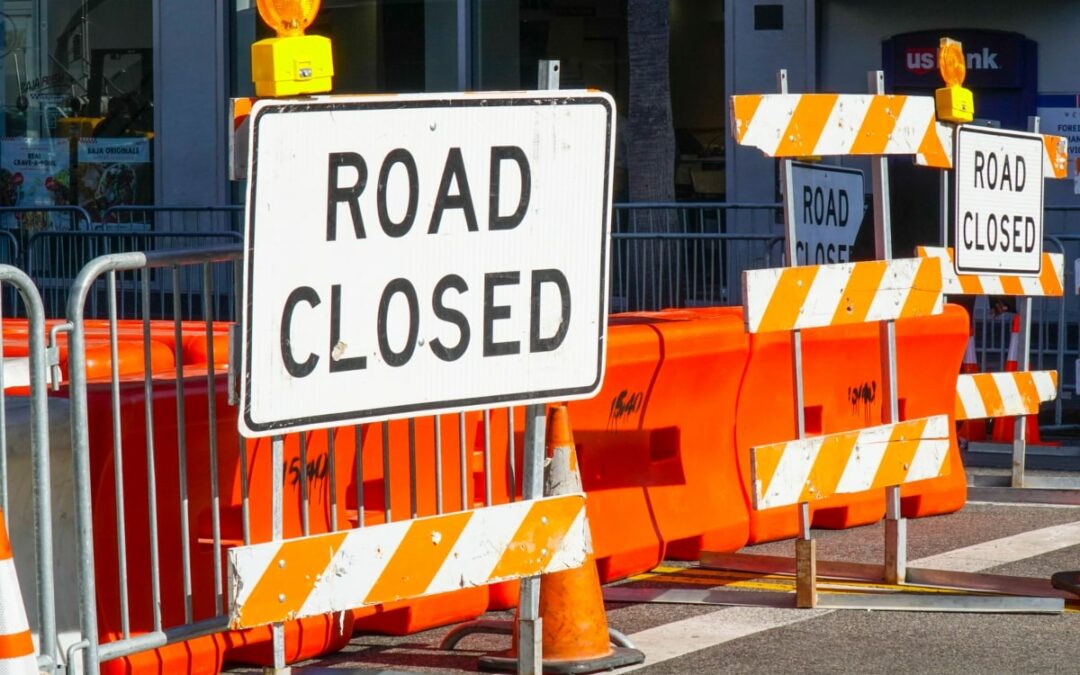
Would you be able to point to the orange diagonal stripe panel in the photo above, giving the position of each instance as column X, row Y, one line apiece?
column 932, row 149
column 1012, row 285
column 862, row 286
column 829, row 466
column 765, row 459
column 903, row 444
column 1049, row 278
column 421, row 553
column 787, row 298
column 807, row 122
column 991, row 397
column 878, row 125
column 283, row 589
column 925, row 290
column 5, row 544
column 1029, row 392
column 538, row 537
column 1057, row 161
column 743, row 109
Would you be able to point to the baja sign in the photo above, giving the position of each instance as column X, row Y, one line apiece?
column 411, row 254
column 999, row 201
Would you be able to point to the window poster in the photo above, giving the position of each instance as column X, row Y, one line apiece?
column 34, row 172
column 112, row 172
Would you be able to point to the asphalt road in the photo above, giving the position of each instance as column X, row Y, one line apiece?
column 1032, row 540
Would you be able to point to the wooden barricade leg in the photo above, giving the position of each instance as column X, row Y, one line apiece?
column 805, row 562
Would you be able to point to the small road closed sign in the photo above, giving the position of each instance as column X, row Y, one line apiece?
column 999, row 201
column 413, row 254
column 829, row 206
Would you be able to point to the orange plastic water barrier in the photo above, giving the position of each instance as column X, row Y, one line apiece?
column 843, row 391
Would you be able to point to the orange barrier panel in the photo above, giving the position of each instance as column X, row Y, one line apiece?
column 655, row 444
column 842, row 389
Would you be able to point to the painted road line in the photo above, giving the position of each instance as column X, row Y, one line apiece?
column 680, row 638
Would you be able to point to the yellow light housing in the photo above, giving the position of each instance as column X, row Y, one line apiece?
column 953, row 102
column 292, row 63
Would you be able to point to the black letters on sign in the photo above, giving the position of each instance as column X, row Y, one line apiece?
column 547, row 344
column 493, row 312
column 338, row 365
column 453, row 171
column 391, row 357
column 350, row 194
column 403, row 157
column 450, row 315
column 295, row 368
column 517, row 155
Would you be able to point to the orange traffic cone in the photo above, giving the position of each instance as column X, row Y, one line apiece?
column 575, row 630
column 1005, row 427
column 971, row 430
column 16, row 645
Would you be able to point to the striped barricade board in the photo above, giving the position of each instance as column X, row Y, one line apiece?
column 1049, row 283
column 982, row 395
column 812, row 296
column 291, row 579
column 806, row 125
column 793, row 472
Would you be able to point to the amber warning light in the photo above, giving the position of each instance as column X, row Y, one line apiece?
column 954, row 103
column 292, row 63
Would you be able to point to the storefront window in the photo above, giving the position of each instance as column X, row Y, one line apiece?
column 77, row 124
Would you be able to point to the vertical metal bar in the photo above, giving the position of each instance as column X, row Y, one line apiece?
column 945, row 208
column 487, row 457
column 151, row 463
column 118, row 459
column 331, row 468
column 530, row 627
column 181, row 447
column 1061, row 354
column 245, row 505
column 3, row 424
column 412, row 468
column 438, row 465
column 80, row 450
column 895, row 538
column 39, row 450
column 358, row 440
column 277, row 452
column 464, row 462
column 883, row 251
column 1023, row 364
column 511, row 469
column 305, row 503
column 211, row 414
column 386, row 470
column 791, row 245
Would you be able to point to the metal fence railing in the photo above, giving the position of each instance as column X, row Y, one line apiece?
column 682, row 254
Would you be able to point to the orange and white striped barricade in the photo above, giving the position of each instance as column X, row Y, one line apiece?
column 898, row 451
column 281, row 581
column 1008, row 394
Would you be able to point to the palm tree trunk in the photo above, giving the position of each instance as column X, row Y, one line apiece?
column 650, row 154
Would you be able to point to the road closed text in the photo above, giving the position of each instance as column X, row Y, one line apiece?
column 998, row 231
column 997, row 215
column 412, row 256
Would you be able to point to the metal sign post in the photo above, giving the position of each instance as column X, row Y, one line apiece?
column 1023, row 307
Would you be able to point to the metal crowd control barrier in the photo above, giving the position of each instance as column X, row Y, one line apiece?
column 684, row 254
column 110, row 266
column 154, row 218
column 101, row 423
column 32, row 466
column 53, row 259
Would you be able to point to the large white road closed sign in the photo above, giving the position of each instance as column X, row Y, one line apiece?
column 829, row 206
column 999, row 201
column 412, row 254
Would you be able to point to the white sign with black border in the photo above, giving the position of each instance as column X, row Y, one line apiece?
column 829, row 206
column 422, row 254
column 999, row 202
